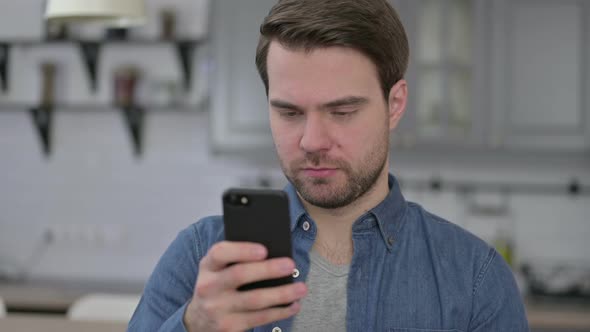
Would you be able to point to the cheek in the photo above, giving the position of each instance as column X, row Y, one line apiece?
column 356, row 141
column 286, row 138
column 352, row 144
column 354, row 134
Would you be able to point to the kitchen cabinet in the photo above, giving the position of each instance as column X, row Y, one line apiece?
column 503, row 75
column 540, row 77
column 239, row 113
column 445, row 78
column 446, row 74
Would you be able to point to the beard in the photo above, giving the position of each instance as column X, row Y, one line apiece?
column 330, row 193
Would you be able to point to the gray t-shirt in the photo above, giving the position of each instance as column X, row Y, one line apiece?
column 324, row 307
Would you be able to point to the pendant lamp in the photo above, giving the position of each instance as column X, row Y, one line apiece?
column 115, row 13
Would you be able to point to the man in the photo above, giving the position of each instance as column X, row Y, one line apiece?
column 364, row 258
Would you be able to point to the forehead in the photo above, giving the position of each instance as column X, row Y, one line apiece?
column 325, row 73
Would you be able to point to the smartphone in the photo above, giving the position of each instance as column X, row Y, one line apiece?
column 261, row 216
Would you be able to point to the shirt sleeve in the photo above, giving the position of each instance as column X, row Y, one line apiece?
column 497, row 303
column 170, row 287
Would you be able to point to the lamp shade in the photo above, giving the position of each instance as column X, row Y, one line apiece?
column 111, row 12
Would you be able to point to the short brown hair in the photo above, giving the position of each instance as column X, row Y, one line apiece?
column 372, row 27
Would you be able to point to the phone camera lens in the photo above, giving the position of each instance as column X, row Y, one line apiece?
column 237, row 199
column 233, row 199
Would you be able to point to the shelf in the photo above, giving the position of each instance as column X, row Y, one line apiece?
column 118, row 42
column 90, row 49
column 21, row 107
column 90, row 52
column 133, row 116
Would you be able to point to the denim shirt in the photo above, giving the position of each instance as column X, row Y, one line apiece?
column 410, row 271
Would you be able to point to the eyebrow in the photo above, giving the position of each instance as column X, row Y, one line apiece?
column 285, row 105
column 346, row 101
column 342, row 102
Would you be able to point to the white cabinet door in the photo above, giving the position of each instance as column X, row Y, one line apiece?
column 446, row 74
column 540, row 93
column 239, row 107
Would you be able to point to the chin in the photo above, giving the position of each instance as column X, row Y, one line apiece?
column 322, row 192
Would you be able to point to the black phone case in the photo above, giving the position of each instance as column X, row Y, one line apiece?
column 263, row 218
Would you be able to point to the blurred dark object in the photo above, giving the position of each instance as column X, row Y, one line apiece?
column 43, row 114
column 436, row 184
column 134, row 119
column 43, row 118
column 56, row 31
column 186, row 51
column 117, row 33
column 574, row 187
column 4, row 60
column 168, row 20
column 126, row 80
column 557, row 280
column 48, row 71
column 90, row 55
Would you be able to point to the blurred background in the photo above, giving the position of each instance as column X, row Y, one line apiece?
column 113, row 140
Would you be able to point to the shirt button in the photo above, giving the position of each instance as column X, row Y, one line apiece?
column 276, row 329
column 390, row 240
column 295, row 273
column 306, row 226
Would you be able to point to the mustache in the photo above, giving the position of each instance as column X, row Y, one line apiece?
column 317, row 159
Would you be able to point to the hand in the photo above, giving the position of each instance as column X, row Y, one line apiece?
column 217, row 305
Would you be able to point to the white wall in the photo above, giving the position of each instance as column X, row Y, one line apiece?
column 112, row 215
column 109, row 208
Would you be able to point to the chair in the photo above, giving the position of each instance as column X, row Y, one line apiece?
column 104, row 307
column 2, row 308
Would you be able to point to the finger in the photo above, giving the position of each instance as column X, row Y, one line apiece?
column 249, row 320
column 240, row 274
column 234, row 276
column 264, row 298
column 223, row 253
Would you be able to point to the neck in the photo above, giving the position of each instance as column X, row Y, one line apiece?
column 334, row 226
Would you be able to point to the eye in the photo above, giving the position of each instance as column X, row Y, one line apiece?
column 289, row 113
column 344, row 114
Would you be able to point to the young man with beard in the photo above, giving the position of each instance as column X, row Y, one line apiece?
column 364, row 258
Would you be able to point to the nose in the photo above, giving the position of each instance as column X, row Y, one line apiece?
column 316, row 136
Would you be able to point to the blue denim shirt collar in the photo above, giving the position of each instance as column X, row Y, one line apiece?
column 388, row 214
column 296, row 209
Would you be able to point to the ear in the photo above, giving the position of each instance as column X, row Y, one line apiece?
column 398, row 98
